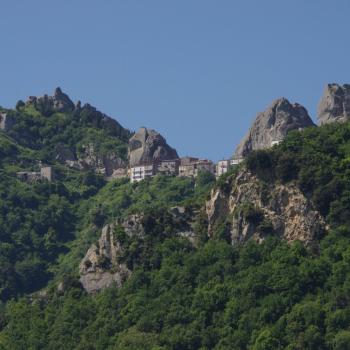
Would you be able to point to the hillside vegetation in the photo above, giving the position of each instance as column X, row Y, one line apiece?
column 210, row 295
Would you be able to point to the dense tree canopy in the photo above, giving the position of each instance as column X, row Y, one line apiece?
column 180, row 296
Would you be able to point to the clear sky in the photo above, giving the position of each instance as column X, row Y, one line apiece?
column 198, row 71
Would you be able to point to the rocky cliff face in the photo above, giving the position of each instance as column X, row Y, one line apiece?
column 104, row 164
column 89, row 158
column 100, row 268
column 147, row 146
column 6, row 122
column 273, row 125
column 252, row 210
column 335, row 104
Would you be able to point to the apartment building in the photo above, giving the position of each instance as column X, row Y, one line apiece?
column 141, row 172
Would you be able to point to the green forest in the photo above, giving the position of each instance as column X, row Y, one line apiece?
column 180, row 296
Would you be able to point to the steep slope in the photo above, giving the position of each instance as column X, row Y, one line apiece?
column 171, row 271
column 59, row 131
column 252, row 209
column 272, row 126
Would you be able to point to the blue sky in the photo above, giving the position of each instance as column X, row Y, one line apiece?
column 198, row 71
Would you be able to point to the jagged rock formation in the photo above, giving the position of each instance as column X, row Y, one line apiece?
column 251, row 210
column 100, row 268
column 147, row 146
column 273, row 125
column 335, row 104
column 59, row 102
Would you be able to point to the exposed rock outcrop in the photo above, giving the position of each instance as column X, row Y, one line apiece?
column 59, row 102
column 147, row 146
column 335, row 104
column 6, row 122
column 251, row 210
column 90, row 158
column 100, row 268
column 104, row 164
column 273, row 125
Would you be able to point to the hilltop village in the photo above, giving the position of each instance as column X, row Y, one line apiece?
column 148, row 153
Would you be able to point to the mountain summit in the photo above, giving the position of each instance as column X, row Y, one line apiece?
column 272, row 125
column 147, row 146
column 59, row 102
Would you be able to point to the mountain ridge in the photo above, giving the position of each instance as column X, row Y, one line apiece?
column 256, row 259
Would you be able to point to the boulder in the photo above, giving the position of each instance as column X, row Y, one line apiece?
column 334, row 105
column 148, row 146
column 272, row 125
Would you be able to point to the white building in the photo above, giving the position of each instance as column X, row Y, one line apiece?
column 236, row 161
column 225, row 165
column 140, row 172
column 222, row 167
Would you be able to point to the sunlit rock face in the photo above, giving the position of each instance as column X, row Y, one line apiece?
column 252, row 210
column 148, row 146
column 334, row 105
column 272, row 126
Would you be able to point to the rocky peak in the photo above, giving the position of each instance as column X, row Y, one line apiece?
column 334, row 105
column 59, row 102
column 147, row 146
column 272, row 126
